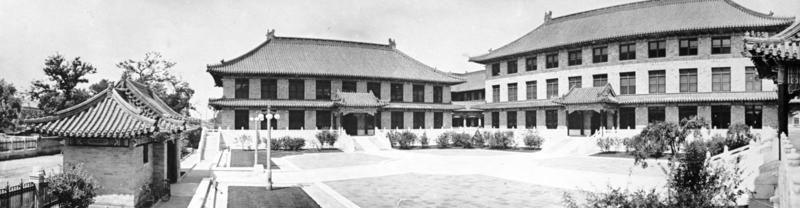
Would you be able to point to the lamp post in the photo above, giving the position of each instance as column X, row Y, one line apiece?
column 269, row 115
column 257, row 120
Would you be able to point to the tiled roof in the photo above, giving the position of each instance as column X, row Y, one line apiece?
column 475, row 81
column 782, row 46
column 357, row 99
column 469, row 105
column 319, row 57
column 112, row 113
column 634, row 20
column 699, row 97
column 220, row 103
column 423, row 106
column 518, row 104
column 585, row 95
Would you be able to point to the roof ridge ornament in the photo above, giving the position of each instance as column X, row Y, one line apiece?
column 270, row 34
column 548, row 15
column 392, row 43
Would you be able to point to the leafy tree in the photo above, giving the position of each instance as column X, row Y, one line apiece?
column 9, row 105
column 60, row 90
column 154, row 71
column 74, row 187
column 100, row 86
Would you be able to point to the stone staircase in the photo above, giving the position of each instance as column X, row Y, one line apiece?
column 370, row 143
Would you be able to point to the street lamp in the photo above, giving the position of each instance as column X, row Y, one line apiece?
column 257, row 120
column 269, row 115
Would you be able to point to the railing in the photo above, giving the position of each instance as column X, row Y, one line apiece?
column 788, row 192
column 233, row 138
column 16, row 143
column 25, row 195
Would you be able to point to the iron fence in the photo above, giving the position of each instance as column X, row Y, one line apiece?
column 26, row 195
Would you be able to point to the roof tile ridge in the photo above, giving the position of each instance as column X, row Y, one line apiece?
column 240, row 57
column 620, row 7
column 756, row 13
column 476, row 58
column 87, row 103
column 346, row 43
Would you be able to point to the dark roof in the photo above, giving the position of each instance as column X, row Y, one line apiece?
column 223, row 102
column 585, row 95
column 638, row 19
column 357, row 99
column 475, row 81
column 518, row 104
column 121, row 111
column 781, row 46
column 320, row 57
column 423, row 106
column 699, row 97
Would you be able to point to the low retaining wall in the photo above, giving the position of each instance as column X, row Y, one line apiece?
column 16, row 147
column 231, row 138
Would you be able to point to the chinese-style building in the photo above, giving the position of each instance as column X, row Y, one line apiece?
column 124, row 136
column 643, row 62
column 321, row 84
column 468, row 94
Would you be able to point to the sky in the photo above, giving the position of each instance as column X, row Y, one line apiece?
column 194, row 33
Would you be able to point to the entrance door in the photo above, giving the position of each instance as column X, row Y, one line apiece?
column 596, row 121
column 350, row 124
column 369, row 124
column 575, row 123
column 172, row 162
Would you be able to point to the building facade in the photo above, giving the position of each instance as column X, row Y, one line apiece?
column 322, row 84
column 629, row 65
column 468, row 95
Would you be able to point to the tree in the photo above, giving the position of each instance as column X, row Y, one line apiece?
column 60, row 90
column 154, row 71
column 9, row 105
column 74, row 187
column 100, row 86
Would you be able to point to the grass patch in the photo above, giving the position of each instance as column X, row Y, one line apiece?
column 244, row 158
column 243, row 196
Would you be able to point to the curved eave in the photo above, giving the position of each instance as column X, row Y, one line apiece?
column 217, row 75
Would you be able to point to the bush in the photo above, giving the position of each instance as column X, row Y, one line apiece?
column 618, row 197
column 275, row 144
column 717, row 144
column 292, row 144
column 461, row 140
column 443, row 140
column 654, row 141
column 423, row 140
column 501, row 140
column 246, row 141
column 478, row 139
column 193, row 138
column 606, row 142
column 394, row 137
column 738, row 136
column 533, row 140
column 74, row 187
column 327, row 137
column 407, row 139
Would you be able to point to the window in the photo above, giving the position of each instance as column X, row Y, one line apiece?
column 396, row 92
column 627, row 51
column 600, row 54
column 530, row 119
column 378, row 119
column 438, row 120
column 511, row 66
column 658, row 81
column 552, row 88
column 721, row 79
column 241, row 119
column 600, row 80
column 752, row 116
column 530, row 90
column 721, row 45
column 145, row 153
column 752, row 82
column 323, row 119
column 688, row 80
column 496, row 69
column 495, row 93
column 375, row 88
column 512, row 92
column 242, row 87
column 419, row 120
column 297, row 89
column 657, row 49
column 655, row 114
column 687, row 47
column 323, row 89
column 721, row 116
column 437, row 94
column 511, row 119
column 269, row 89
column 551, row 60
column 551, row 119
column 349, row 86
column 686, row 112
column 297, row 119
column 397, row 120
column 574, row 58
column 530, row 63
column 418, row 93
column 495, row 119
column 627, row 118
column 574, row 82
column 627, row 83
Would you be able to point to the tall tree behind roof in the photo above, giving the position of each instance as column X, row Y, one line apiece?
column 9, row 105
column 60, row 90
column 154, row 71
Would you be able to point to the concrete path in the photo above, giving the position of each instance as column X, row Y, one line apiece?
column 184, row 190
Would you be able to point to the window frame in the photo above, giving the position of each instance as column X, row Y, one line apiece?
column 418, row 93
column 495, row 93
column 602, row 56
column 418, row 120
column 511, row 66
column 575, row 82
column 511, row 119
column 495, row 69
column 660, row 50
column 512, row 95
column 321, row 124
column 241, row 87
column 375, row 88
column 551, row 60
column 656, row 114
column 720, row 45
column 530, row 119
column 394, row 94
column 574, row 57
column 530, row 63
column 599, row 80
column 297, row 89
column 551, row 119
column 552, row 88
column 720, row 116
column 720, row 79
column 397, row 120
column 438, row 120
column 752, row 82
column 689, row 48
column 438, row 94
column 750, row 114
column 269, row 89
column 624, row 79
column 629, row 53
column 627, row 117
column 661, row 81
column 323, row 93
column 530, row 90
column 687, row 80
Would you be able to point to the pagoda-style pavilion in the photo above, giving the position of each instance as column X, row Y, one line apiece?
column 125, row 136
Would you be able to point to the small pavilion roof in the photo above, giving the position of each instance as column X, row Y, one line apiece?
column 116, row 112
column 587, row 95
column 357, row 99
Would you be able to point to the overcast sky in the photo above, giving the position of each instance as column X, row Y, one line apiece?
column 193, row 33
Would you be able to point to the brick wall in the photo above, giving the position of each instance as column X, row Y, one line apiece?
column 119, row 170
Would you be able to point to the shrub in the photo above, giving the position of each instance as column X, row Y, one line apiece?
column 394, row 137
column 618, row 197
column 74, row 187
column 738, row 136
column 327, row 137
column 501, row 140
column 423, row 140
column 716, row 145
column 275, row 144
column 461, row 140
column 533, row 140
column 443, row 140
column 246, row 141
column 292, row 144
column 478, row 140
column 407, row 139
column 654, row 141
column 606, row 142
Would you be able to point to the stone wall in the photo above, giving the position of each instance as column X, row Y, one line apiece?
column 119, row 170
